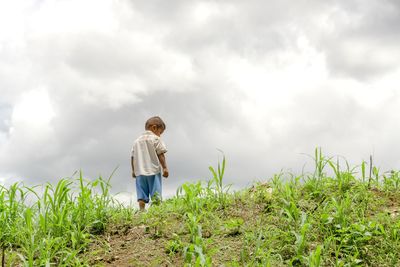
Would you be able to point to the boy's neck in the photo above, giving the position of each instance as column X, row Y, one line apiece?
column 150, row 131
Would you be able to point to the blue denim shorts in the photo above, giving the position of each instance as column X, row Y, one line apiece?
column 148, row 186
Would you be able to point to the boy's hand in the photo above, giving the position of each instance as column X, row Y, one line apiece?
column 165, row 173
column 133, row 175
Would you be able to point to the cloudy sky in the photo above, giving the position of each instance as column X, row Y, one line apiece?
column 264, row 81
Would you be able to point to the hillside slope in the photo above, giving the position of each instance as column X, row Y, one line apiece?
column 309, row 220
column 313, row 219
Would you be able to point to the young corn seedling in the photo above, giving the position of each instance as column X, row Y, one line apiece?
column 192, row 195
column 174, row 246
column 196, row 250
column 314, row 260
column 217, row 180
column 233, row 227
column 363, row 164
column 289, row 201
column 375, row 172
column 256, row 251
column 320, row 163
column 10, row 208
column 391, row 181
column 301, row 239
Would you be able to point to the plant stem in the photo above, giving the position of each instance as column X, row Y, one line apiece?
column 3, row 256
column 370, row 171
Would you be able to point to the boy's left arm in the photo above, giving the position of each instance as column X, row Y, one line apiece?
column 163, row 162
column 133, row 168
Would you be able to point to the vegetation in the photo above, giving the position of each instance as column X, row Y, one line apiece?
column 55, row 226
column 334, row 216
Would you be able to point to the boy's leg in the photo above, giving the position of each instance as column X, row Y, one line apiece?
column 142, row 191
column 155, row 187
column 142, row 205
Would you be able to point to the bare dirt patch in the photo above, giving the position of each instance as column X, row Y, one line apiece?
column 128, row 245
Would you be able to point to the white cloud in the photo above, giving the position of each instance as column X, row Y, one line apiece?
column 30, row 132
column 12, row 21
column 72, row 16
column 33, row 112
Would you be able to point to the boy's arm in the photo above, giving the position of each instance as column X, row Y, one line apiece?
column 133, row 168
column 163, row 162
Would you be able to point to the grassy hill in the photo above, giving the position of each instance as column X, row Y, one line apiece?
column 350, row 218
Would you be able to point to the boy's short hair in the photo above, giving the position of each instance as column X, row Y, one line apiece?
column 157, row 121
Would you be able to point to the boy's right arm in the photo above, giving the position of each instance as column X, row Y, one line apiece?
column 163, row 162
column 133, row 168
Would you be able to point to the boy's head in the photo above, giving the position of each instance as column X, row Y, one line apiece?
column 156, row 125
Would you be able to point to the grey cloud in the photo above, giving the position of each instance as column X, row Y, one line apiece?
column 366, row 47
column 112, row 57
column 5, row 115
column 340, row 125
column 203, row 109
column 92, row 63
column 244, row 27
column 87, row 55
column 168, row 12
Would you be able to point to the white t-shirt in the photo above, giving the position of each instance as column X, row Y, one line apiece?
column 144, row 152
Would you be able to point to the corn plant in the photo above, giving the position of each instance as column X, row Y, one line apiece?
column 174, row 246
column 257, row 250
column 216, row 183
column 196, row 250
column 343, row 178
column 320, row 162
column 289, row 201
column 233, row 227
column 57, row 224
column 363, row 175
column 10, row 209
column 391, row 181
column 301, row 239
column 193, row 196
column 314, row 260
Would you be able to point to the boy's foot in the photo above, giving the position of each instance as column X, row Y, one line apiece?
column 142, row 205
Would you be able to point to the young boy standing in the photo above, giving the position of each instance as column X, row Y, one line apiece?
column 148, row 162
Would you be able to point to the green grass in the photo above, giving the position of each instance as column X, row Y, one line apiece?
column 311, row 219
column 58, row 225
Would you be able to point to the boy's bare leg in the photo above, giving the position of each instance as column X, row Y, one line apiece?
column 142, row 205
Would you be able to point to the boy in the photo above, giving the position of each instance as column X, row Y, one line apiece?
column 148, row 161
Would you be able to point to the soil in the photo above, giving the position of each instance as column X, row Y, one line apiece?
column 128, row 245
